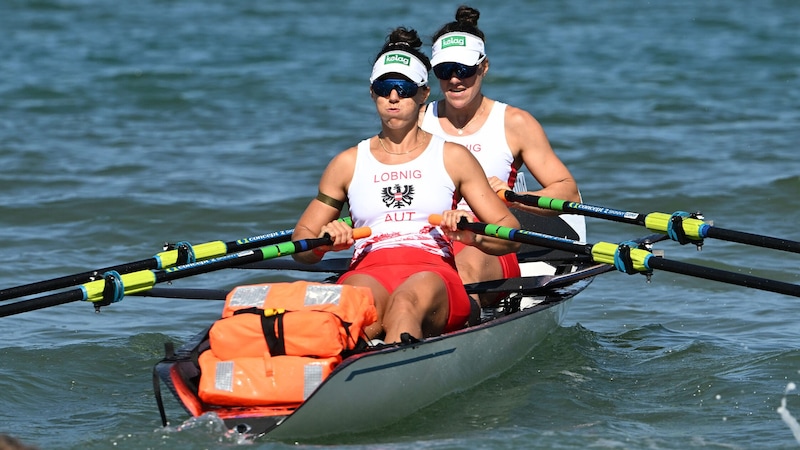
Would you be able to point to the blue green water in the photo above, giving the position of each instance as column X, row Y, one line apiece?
column 127, row 124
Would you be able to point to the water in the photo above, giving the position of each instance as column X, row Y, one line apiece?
column 127, row 124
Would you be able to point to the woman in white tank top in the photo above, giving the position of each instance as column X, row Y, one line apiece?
column 502, row 137
column 392, row 182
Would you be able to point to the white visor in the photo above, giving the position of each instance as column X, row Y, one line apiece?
column 404, row 63
column 458, row 47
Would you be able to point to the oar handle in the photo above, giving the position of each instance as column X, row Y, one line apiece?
column 513, row 234
column 564, row 206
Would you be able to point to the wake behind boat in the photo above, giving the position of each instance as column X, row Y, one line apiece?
column 411, row 375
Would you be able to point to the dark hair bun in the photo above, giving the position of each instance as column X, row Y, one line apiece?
column 404, row 36
column 467, row 15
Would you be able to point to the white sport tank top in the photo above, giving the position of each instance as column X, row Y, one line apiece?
column 488, row 144
column 396, row 200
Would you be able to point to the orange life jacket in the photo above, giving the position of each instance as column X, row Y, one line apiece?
column 276, row 342
column 252, row 332
column 261, row 380
column 352, row 304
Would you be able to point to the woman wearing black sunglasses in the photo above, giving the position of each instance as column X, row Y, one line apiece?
column 392, row 183
column 501, row 137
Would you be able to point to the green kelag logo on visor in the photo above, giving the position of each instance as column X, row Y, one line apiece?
column 397, row 59
column 454, row 41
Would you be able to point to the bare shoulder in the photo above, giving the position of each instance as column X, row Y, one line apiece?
column 524, row 133
column 339, row 173
column 457, row 154
column 342, row 165
column 345, row 157
column 459, row 161
column 517, row 118
column 453, row 150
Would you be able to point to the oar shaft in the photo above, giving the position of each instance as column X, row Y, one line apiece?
column 564, row 206
column 46, row 301
column 752, row 239
column 710, row 273
column 72, row 280
column 694, row 229
column 162, row 260
column 639, row 260
column 143, row 280
column 523, row 236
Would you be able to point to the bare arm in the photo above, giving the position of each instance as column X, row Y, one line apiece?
column 528, row 141
column 470, row 181
column 319, row 217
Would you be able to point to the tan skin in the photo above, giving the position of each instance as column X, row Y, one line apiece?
column 419, row 305
column 466, row 107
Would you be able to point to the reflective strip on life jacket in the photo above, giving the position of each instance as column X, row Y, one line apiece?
column 353, row 304
column 261, row 381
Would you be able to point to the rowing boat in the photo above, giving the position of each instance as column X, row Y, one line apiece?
column 408, row 376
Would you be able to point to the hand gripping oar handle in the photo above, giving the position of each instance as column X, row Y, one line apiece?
column 114, row 286
column 182, row 254
column 680, row 226
column 628, row 257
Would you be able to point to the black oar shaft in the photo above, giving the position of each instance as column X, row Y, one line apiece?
column 710, row 273
column 41, row 302
column 160, row 261
column 660, row 222
column 640, row 260
column 598, row 212
column 753, row 239
column 143, row 280
column 72, row 280
column 90, row 291
column 523, row 236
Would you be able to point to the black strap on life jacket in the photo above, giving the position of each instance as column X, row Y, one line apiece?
column 275, row 340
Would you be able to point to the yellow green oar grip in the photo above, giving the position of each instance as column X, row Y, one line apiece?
column 660, row 222
column 132, row 282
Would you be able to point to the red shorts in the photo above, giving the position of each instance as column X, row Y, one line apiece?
column 391, row 267
column 508, row 262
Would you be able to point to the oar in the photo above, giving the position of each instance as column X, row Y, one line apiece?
column 679, row 226
column 182, row 253
column 525, row 285
column 114, row 286
column 627, row 257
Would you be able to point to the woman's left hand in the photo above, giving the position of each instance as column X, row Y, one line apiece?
column 449, row 226
column 497, row 184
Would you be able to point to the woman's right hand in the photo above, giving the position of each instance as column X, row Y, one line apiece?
column 340, row 233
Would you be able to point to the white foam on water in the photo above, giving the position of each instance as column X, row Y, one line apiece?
column 213, row 425
column 786, row 416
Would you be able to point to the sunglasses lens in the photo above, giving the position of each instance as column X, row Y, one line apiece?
column 445, row 71
column 404, row 88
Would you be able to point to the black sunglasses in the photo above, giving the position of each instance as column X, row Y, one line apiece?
column 445, row 71
column 404, row 88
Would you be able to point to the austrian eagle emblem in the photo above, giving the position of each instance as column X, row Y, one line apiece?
column 397, row 196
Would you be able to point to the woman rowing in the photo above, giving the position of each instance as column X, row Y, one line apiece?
column 392, row 182
column 502, row 137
